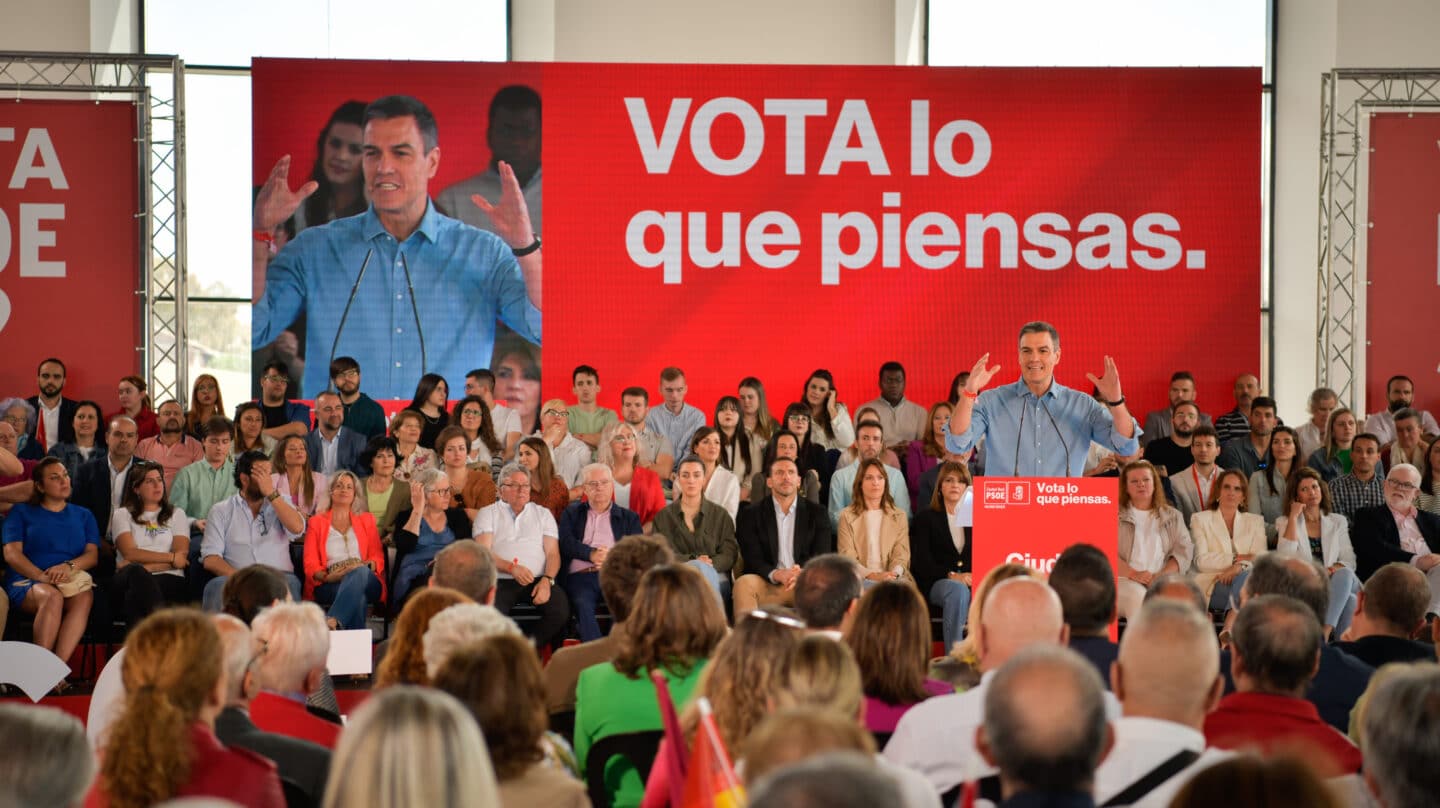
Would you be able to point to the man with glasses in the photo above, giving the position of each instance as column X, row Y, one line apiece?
column 524, row 539
column 653, row 450
column 332, row 446
column 568, row 453
column 362, row 414
column 588, row 529
column 255, row 526
column 1398, row 532
column 282, row 417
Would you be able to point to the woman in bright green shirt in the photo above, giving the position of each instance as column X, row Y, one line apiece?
column 675, row 623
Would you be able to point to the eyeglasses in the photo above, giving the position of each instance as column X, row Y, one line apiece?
column 623, row 439
column 1402, row 485
column 474, row 413
column 444, row 491
column 276, row 379
column 558, row 413
column 801, row 418
column 595, row 485
column 516, row 486
column 349, row 374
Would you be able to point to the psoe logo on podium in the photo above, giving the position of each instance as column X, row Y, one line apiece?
column 1000, row 493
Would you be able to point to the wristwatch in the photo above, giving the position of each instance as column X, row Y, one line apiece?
column 70, row 564
column 550, row 579
column 272, row 496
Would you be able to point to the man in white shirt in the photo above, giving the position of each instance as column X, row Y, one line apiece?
column 1310, row 435
column 1399, row 395
column 503, row 420
column 937, row 736
column 869, row 443
column 255, row 526
column 652, row 449
column 568, row 453
column 902, row 419
column 1167, row 678
column 674, row 418
column 1192, row 485
column 524, row 539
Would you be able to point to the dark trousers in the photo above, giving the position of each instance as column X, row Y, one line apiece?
column 136, row 592
column 584, row 591
column 554, row 613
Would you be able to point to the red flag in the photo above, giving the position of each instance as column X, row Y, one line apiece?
column 674, row 759
column 711, row 780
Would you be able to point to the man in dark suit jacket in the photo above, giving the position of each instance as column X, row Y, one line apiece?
column 50, row 381
column 97, row 479
column 584, row 543
column 1391, row 610
column 773, row 564
column 329, row 428
column 302, row 764
column 1376, row 533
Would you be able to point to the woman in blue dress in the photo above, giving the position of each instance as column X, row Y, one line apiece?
column 48, row 543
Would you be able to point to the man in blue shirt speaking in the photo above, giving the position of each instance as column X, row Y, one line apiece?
column 1038, row 427
column 432, row 286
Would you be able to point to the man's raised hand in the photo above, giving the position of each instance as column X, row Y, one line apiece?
column 510, row 215
column 980, row 375
column 1108, row 384
column 276, row 202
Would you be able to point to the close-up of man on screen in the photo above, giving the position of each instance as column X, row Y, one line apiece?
column 401, row 287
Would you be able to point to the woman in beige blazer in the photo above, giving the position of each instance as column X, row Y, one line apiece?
column 873, row 531
column 1227, row 540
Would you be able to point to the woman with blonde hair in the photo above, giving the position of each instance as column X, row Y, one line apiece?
column 163, row 743
column 404, row 662
column 636, row 487
column 890, row 637
column 873, row 531
column 412, row 746
column 499, row 681
column 929, row 452
column 755, row 417
column 205, row 403
column 344, row 561
column 1153, row 539
column 675, row 623
column 1332, row 459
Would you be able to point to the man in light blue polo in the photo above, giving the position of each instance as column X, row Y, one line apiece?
column 434, row 285
column 1038, row 427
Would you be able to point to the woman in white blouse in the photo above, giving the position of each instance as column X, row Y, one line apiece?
column 1153, row 539
column 872, row 530
column 721, row 486
column 1227, row 540
column 831, row 427
column 1310, row 529
column 152, row 545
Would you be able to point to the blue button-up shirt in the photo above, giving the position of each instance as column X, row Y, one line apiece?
column 243, row 538
column 1048, row 436
column 463, row 279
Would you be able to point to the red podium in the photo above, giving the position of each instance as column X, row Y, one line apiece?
column 1031, row 520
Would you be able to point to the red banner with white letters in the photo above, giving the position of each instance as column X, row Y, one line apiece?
column 768, row 220
column 68, row 244
column 1403, row 256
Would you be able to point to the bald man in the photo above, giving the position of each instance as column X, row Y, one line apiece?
column 937, row 736
column 1045, row 727
column 1167, row 678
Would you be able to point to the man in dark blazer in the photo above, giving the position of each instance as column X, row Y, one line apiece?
column 777, row 536
column 1399, row 532
column 347, row 444
column 50, row 381
column 99, row 485
column 303, row 765
column 588, row 529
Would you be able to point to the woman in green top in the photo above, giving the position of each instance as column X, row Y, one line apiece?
column 675, row 623
column 1332, row 459
column 385, row 494
column 700, row 532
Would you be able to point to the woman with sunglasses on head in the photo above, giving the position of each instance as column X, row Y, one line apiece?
column 152, row 546
column 205, row 403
